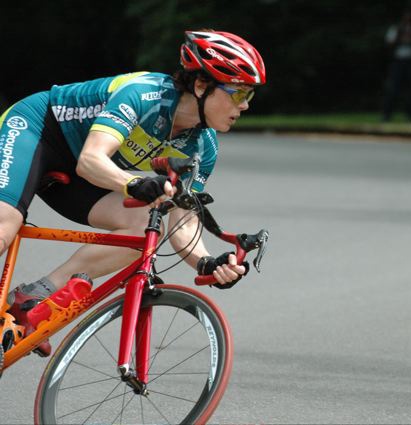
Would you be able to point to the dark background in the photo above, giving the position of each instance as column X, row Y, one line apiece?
column 321, row 55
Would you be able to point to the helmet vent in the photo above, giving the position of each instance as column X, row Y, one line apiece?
column 224, row 43
column 186, row 56
column 224, row 70
column 200, row 35
column 226, row 54
column 247, row 69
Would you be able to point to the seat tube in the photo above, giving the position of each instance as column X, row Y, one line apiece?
column 143, row 340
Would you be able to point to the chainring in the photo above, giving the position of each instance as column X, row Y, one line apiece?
column 10, row 332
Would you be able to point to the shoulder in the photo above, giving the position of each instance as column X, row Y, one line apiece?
column 141, row 82
column 144, row 88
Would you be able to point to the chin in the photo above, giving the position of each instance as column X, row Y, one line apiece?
column 223, row 128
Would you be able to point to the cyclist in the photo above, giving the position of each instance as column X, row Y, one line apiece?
column 99, row 131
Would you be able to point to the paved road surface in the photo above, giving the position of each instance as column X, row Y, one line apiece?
column 323, row 334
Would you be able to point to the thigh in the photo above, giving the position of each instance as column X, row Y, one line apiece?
column 110, row 214
column 75, row 200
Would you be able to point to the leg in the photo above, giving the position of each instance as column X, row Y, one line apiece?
column 10, row 222
column 97, row 260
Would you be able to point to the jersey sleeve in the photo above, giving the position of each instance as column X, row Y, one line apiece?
column 121, row 113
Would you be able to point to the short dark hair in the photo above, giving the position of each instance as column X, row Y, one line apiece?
column 184, row 80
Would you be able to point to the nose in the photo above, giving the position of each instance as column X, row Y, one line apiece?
column 243, row 106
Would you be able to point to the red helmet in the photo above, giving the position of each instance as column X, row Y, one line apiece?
column 226, row 57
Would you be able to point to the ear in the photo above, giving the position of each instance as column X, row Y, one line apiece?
column 199, row 87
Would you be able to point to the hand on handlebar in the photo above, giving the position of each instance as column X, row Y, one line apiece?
column 224, row 269
column 151, row 190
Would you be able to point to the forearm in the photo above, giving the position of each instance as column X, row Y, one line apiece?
column 186, row 240
column 99, row 170
column 95, row 164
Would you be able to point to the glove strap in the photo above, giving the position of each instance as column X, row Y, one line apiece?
column 125, row 187
column 202, row 262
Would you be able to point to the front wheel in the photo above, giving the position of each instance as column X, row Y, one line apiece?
column 190, row 364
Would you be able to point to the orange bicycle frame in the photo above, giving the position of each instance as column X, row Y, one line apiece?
column 135, row 275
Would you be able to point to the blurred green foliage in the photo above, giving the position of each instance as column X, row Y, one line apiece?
column 321, row 55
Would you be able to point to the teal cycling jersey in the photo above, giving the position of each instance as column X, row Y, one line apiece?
column 138, row 110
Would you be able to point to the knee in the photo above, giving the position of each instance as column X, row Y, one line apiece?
column 3, row 246
column 6, row 239
column 10, row 223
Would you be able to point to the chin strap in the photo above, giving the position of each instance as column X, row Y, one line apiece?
column 201, row 101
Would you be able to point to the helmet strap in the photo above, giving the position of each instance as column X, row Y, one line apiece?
column 200, row 102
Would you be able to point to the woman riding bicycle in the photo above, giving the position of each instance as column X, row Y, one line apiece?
column 100, row 130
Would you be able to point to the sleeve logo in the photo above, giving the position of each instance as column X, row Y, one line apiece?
column 129, row 113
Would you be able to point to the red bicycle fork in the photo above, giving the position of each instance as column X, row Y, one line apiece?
column 137, row 323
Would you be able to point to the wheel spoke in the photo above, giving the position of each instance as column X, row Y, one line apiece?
column 172, row 342
column 89, row 383
column 105, row 348
column 173, row 396
column 92, row 368
column 123, row 408
column 158, row 410
column 179, row 373
column 99, row 403
column 153, row 358
column 178, row 364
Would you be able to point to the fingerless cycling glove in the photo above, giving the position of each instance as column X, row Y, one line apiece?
column 206, row 265
column 146, row 189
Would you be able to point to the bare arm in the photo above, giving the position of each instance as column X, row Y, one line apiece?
column 184, row 235
column 95, row 164
column 181, row 239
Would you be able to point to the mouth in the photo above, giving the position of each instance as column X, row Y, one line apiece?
column 233, row 119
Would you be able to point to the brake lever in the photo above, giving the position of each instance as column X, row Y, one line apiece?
column 250, row 242
column 244, row 243
column 262, row 242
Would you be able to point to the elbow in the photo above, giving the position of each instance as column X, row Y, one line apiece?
column 81, row 167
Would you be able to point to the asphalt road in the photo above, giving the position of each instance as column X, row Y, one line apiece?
column 323, row 334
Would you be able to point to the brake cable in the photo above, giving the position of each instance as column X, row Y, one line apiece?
column 176, row 227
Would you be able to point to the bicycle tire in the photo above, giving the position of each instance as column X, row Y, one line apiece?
column 199, row 390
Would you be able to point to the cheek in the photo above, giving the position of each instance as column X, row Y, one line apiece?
column 218, row 107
